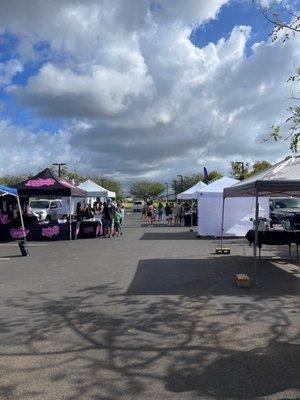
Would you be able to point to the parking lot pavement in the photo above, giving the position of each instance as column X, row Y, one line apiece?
column 153, row 314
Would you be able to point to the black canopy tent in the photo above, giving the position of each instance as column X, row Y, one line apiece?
column 47, row 183
column 282, row 179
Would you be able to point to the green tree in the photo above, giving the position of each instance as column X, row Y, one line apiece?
column 259, row 166
column 11, row 180
column 146, row 189
column 187, row 182
column 108, row 183
column 213, row 175
column 239, row 170
column 286, row 24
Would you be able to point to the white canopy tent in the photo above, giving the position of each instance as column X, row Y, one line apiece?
column 192, row 192
column 94, row 190
column 238, row 211
column 281, row 179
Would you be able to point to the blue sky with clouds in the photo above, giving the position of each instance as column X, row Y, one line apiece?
column 136, row 88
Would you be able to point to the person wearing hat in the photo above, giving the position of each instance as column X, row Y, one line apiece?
column 108, row 217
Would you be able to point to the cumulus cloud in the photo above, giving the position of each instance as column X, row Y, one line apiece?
column 8, row 70
column 135, row 96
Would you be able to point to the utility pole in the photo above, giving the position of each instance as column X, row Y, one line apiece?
column 242, row 164
column 167, row 185
column 175, row 188
column 102, row 181
column 59, row 167
column 181, row 182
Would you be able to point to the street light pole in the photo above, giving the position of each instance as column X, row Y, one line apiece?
column 166, row 183
column 59, row 167
column 181, row 182
column 175, row 188
column 242, row 164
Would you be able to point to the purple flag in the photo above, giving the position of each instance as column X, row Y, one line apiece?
column 206, row 180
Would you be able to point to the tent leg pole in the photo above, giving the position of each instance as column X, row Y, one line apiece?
column 70, row 219
column 22, row 221
column 222, row 224
column 191, row 215
column 256, row 234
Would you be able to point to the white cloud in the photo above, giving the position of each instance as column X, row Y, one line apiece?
column 8, row 70
column 137, row 97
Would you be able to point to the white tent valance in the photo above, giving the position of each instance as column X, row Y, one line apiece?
column 95, row 190
column 192, row 192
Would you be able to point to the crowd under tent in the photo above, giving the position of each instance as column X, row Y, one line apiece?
column 48, row 184
column 93, row 190
column 238, row 211
column 282, row 179
column 192, row 192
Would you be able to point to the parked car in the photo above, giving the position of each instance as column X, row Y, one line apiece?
column 285, row 209
column 138, row 206
column 47, row 209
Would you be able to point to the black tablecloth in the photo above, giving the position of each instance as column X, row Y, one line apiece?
column 90, row 229
column 274, row 237
column 52, row 230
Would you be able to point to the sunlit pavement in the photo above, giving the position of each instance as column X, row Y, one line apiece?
column 153, row 314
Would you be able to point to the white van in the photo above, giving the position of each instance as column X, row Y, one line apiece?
column 138, row 206
column 47, row 209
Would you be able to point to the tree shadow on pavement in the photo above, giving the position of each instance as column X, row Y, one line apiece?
column 97, row 343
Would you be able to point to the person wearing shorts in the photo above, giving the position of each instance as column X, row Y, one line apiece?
column 108, row 217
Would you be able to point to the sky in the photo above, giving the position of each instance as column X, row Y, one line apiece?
column 140, row 89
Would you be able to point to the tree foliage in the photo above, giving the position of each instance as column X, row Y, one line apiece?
column 190, row 180
column 146, row 189
column 242, row 172
column 286, row 24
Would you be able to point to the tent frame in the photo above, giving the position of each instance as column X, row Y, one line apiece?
column 20, row 211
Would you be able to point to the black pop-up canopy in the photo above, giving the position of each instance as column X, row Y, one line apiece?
column 47, row 183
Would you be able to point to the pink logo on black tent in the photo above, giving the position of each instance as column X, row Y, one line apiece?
column 40, row 182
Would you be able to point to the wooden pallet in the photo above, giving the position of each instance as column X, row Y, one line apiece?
column 242, row 280
column 223, row 250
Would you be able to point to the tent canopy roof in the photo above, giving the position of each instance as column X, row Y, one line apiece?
column 191, row 193
column 218, row 186
column 48, row 183
column 282, row 178
column 8, row 190
column 95, row 190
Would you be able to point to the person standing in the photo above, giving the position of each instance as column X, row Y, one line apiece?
column 109, row 211
column 160, row 210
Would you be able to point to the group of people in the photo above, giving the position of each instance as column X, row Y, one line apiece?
column 174, row 213
column 109, row 212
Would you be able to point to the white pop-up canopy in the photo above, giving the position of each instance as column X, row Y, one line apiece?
column 192, row 192
column 281, row 179
column 95, row 190
column 238, row 211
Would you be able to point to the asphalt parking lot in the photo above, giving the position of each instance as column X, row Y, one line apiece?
column 153, row 314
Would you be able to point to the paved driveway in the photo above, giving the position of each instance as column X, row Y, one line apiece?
column 151, row 315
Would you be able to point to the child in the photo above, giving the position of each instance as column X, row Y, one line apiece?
column 118, row 222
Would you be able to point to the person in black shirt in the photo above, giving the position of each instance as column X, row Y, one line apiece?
column 108, row 217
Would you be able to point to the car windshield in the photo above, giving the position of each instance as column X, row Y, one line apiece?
column 39, row 204
column 287, row 203
column 138, row 202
